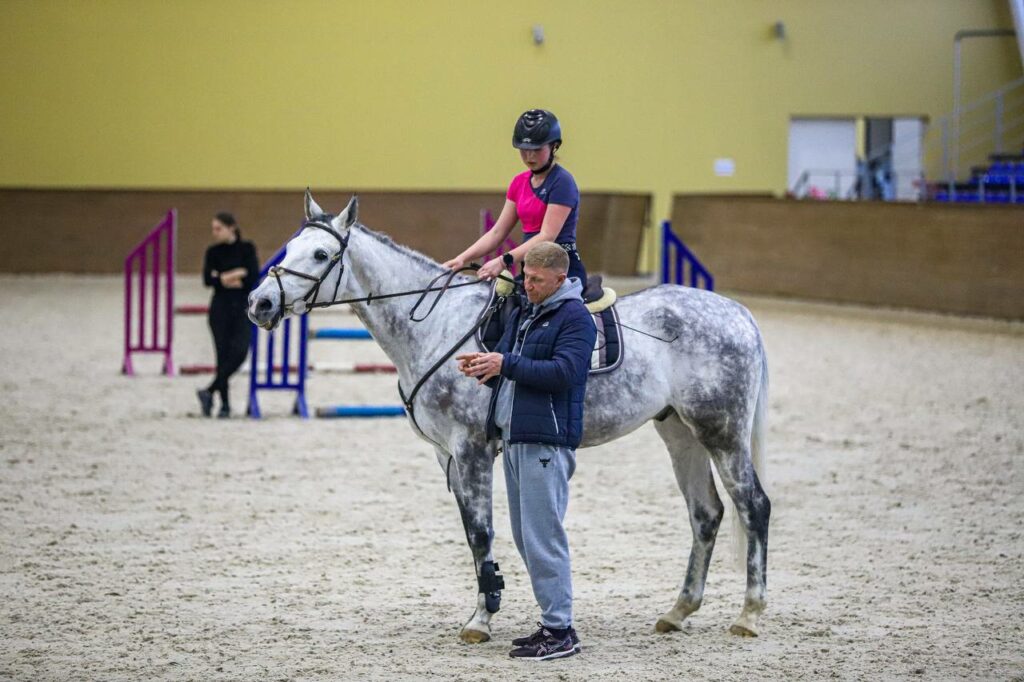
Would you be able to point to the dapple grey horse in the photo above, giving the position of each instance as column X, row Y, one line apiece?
column 703, row 381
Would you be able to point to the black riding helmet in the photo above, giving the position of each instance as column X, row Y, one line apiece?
column 535, row 129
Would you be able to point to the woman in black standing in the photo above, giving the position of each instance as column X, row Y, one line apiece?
column 231, row 268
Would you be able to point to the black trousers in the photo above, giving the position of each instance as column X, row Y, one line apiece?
column 232, row 332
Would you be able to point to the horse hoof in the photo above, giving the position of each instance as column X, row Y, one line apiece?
column 474, row 636
column 743, row 630
column 665, row 624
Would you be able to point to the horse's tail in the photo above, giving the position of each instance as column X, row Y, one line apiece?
column 757, row 456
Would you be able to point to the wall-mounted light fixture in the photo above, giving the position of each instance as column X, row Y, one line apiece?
column 538, row 34
column 779, row 30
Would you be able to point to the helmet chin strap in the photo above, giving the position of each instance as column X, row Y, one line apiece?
column 547, row 166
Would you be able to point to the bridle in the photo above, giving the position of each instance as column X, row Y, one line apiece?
column 308, row 300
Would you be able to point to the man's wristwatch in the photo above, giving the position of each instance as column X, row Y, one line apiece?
column 508, row 260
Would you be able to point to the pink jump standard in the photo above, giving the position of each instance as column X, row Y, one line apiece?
column 144, row 263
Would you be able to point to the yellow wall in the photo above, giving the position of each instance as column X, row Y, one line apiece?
column 423, row 94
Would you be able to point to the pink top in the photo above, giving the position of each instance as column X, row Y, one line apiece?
column 531, row 202
column 529, row 208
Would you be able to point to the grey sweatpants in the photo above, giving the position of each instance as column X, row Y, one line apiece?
column 537, row 480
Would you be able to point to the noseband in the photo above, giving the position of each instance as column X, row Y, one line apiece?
column 308, row 301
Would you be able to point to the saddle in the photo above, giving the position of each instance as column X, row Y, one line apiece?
column 600, row 302
column 596, row 296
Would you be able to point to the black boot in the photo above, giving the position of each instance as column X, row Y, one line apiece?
column 205, row 401
column 225, row 412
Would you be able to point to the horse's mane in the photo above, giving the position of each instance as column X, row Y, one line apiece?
column 420, row 258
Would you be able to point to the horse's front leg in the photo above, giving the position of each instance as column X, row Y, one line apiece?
column 470, row 474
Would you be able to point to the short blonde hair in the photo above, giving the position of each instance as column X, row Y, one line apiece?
column 549, row 256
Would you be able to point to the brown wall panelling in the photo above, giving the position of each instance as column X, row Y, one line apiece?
column 956, row 259
column 90, row 231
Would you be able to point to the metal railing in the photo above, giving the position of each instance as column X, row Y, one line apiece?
column 842, row 185
column 982, row 195
column 975, row 130
column 979, row 190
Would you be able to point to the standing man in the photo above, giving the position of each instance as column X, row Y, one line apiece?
column 538, row 376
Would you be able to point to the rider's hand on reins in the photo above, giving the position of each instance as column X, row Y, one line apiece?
column 455, row 264
column 491, row 269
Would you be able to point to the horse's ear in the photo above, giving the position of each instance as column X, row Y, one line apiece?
column 348, row 217
column 312, row 210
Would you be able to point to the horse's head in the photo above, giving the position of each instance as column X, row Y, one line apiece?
column 312, row 270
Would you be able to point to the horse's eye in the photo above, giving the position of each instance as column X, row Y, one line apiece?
column 320, row 255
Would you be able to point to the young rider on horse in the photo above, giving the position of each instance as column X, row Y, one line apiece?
column 544, row 198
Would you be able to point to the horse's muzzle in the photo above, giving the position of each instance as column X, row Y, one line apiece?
column 263, row 311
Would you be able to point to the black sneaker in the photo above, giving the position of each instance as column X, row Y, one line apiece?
column 225, row 412
column 205, row 401
column 539, row 635
column 549, row 647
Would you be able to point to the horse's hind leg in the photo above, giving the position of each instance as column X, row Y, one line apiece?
column 693, row 474
column 736, row 470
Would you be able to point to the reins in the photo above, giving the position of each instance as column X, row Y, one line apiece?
column 370, row 298
column 485, row 314
column 638, row 331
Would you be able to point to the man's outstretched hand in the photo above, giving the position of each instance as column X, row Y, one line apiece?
column 480, row 366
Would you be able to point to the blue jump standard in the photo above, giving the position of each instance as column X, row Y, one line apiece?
column 340, row 333
column 361, row 411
